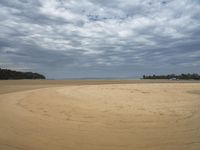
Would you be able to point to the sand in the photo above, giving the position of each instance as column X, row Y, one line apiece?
column 107, row 116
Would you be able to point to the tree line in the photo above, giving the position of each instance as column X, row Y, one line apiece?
column 188, row 76
column 6, row 74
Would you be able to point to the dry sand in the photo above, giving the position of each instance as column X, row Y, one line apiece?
column 55, row 116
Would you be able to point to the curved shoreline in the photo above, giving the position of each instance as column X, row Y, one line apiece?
column 9, row 86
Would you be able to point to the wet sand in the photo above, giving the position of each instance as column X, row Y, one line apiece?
column 99, row 115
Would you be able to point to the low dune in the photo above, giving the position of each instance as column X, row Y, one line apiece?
column 99, row 116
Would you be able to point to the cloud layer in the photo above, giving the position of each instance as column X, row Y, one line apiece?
column 90, row 38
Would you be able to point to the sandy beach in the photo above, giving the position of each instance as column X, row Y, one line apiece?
column 89, row 115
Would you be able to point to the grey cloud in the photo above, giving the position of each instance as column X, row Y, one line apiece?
column 66, row 39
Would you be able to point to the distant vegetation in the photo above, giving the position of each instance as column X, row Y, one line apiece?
column 6, row 74
column 188, row 76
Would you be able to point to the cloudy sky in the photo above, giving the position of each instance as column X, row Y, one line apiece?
column 100, row 38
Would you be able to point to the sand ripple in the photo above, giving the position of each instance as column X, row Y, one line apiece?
column 102, row 117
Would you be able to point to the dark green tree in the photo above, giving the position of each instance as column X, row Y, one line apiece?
column 6, row 74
